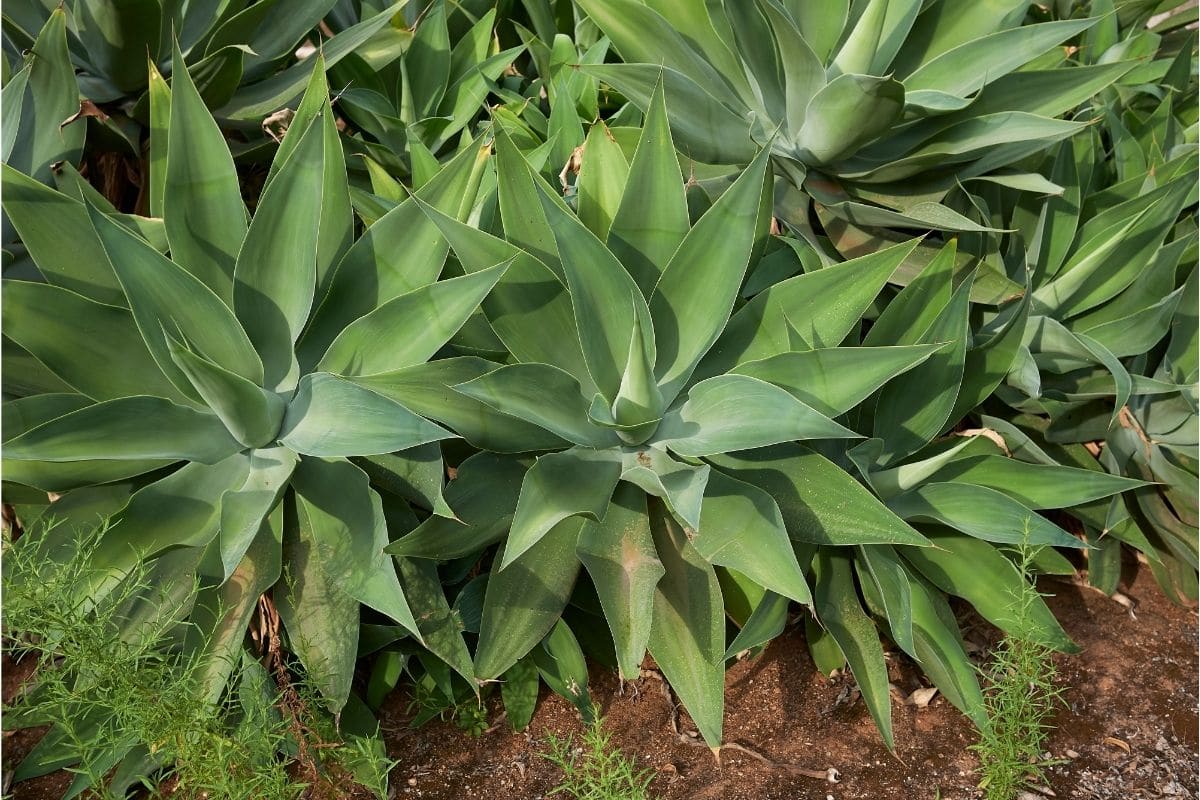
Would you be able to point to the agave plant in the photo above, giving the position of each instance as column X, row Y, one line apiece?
column 878, row 111
column 1106, row 374
column 240, row 54
column 197, row 398
column 664, row 426
column 415, row 98
column 37, row 100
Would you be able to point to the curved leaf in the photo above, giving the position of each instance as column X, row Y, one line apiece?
column 542, row 395
column 687, row 635
column 524, row 601
column 202, row 199
column 128, row 428
column 576, row 482
column 737, row 412
column 981, row 512
column 819, row 501
column 741, row 528
column 410, row 328
column 345, row 518
column 330, row 416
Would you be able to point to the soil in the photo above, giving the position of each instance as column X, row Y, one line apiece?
column 1127, row 731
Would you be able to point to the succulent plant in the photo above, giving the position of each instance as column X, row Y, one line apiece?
column 877, row 110
column 197, row 398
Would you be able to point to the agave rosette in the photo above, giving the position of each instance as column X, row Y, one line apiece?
column 877, row 110
column 196, row 398
column 672, row 424
column 1105, row 377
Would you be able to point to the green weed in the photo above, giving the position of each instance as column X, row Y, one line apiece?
column 1021, row 693
column 122, row 692
column 595, row 769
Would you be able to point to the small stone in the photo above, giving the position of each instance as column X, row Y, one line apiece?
column 412, row 781
column 1072, row 754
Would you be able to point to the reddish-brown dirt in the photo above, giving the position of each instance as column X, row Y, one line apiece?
column 1128, row 730
column 1134, row 686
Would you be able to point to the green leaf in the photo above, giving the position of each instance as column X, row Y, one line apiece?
column 977, row 572
column 1036, row 485
column 882, row 576
column 116, row 35
column 180, row 510
column 428, row 389
column 767, row 621
column 526, row 304
column 11, row 102
column 600, row 291
column 643, row 36
column 737, row 412
column 803, row 72
column 51, row 97
column 980, row 512
column 577, row 482
column 680, row 485
column 965, row 69
column 695, row 294
column 60, row 476
column 652, row 218
column 619, row 555
column 519, row 690
column 601, row 182
column 257, row 100
column 54, row 227
column 838, row 609
column 322, row 621
column 127, row 428
column 858, row 50
column 741, row 528
column 408, row 329
column 427, row 60
column 939, row 649
column 525, row 222
column 160, row 126
column 202, row 199
column 848, row 112
column 965, row 141
column 542, row 395
column 703, row 127
column 440, row 626
column 562, row 666
column 912, row 312
column 482, row 499
column 400, row 252
column 416, row 474
column 822, row 306
column 833, row 380
column 345, row 517
column 687, row 635
column 244, row 509
column 250, row 413
column 80, row 341
column 330, row 416
column 524, row 601
column 914, row 408
column 819, row 501
column 276, row 272
column 1088, row 278
column 222, row 612
column 991, row 359
column 166, row 299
